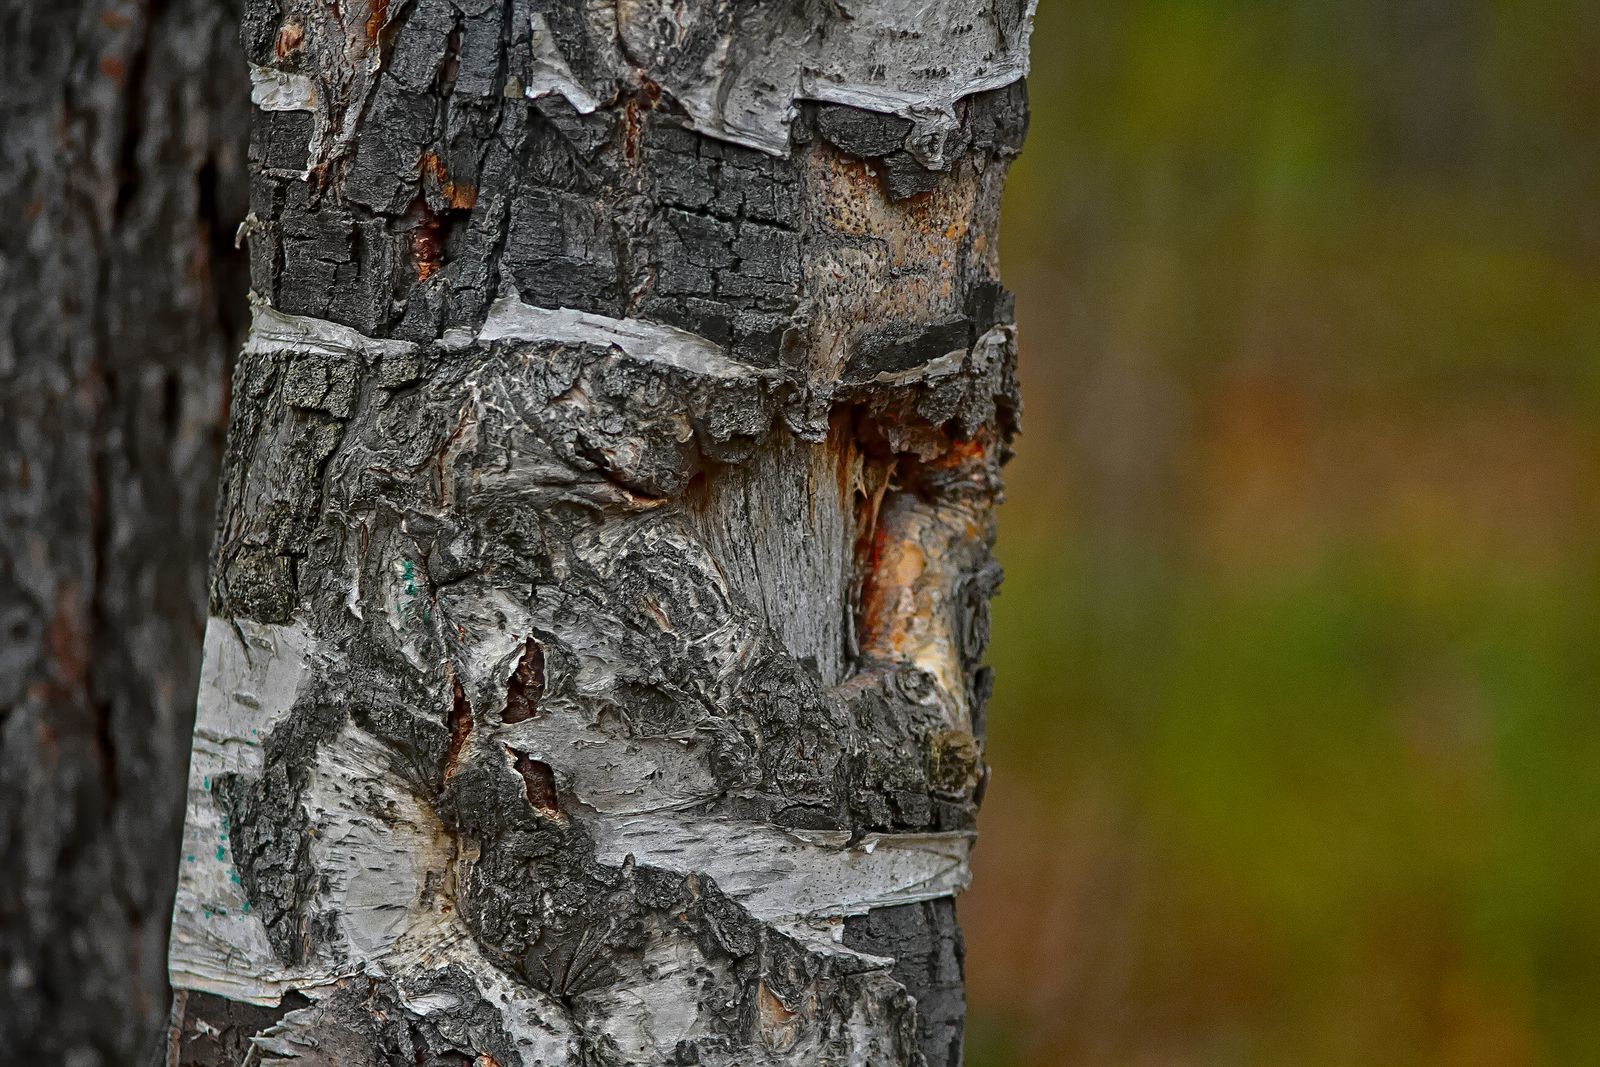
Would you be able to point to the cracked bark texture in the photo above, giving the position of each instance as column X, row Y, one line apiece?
column 600, row 587
column 122, row 155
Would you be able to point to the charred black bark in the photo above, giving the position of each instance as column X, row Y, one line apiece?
column 122, row 138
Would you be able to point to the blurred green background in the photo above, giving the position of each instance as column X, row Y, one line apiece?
column 1297, row 728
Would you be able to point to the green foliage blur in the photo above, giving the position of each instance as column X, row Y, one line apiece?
column 1296, row 734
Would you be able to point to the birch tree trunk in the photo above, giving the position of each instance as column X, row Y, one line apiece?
column 122, row 137
column 593, row 671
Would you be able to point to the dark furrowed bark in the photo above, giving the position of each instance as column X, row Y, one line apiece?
column 602, row 574
column 122, row 145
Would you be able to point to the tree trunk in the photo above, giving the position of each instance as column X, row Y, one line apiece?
column 122, row 157
column 601, row 576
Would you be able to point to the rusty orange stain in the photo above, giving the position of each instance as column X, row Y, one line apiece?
column 903, row 551
column 114, row 67
column 632, row 130
column 773, row 1011
column 425, row 251
column 632, row 117
column 291, row 35
column 964, row 449
column 888, row 594
column 375, row 21
column 459, row 196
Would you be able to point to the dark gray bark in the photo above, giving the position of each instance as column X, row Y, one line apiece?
column 122, row 158
column 601, row 581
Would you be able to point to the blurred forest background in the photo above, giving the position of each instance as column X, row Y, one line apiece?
column 1296, row 735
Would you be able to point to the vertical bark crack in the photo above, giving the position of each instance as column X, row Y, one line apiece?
column 526, row 686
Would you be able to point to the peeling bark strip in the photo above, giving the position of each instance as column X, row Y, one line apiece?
column 602, row 575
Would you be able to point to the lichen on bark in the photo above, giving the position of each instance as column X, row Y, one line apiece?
column 603, row 561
